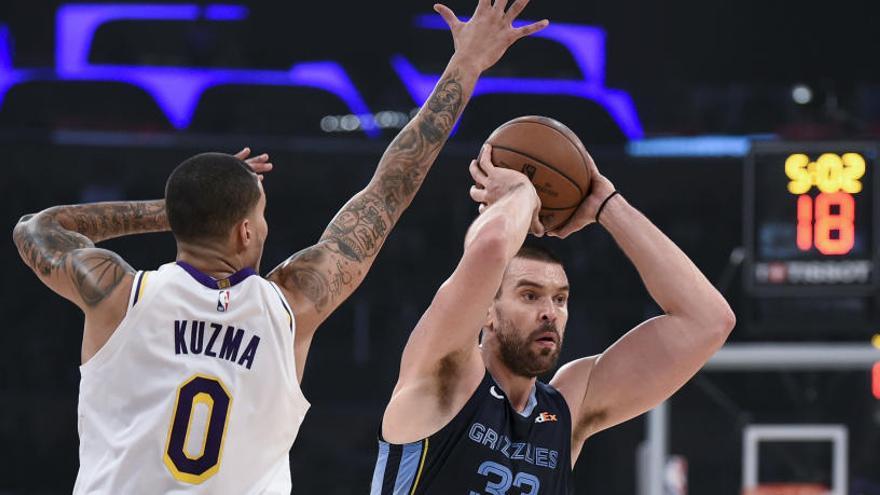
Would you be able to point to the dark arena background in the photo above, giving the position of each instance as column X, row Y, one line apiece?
column 705, row 114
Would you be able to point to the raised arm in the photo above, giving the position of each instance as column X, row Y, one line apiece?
column 449, row 328
column 58, row 244
column 648, row 364
column 318, row 279
column 441, row 363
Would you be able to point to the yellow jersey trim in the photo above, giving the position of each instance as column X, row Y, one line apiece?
column 421, row 466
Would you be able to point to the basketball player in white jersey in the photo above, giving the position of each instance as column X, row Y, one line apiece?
column 469, row 418
column 191, row 373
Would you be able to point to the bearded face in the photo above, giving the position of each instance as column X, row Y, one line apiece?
column 528, row 354
column 528, row 316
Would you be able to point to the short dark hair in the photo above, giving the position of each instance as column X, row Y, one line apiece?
column 535, row 252
column 207, row 194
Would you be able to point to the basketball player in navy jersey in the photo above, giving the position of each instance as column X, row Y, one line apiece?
column 190, row 374
column 472, row 419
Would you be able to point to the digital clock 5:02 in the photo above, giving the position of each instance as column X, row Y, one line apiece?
column 828, row 222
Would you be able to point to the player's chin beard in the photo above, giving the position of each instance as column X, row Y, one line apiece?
column 517, row 352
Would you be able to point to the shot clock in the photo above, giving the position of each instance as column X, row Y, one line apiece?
column 810, row 210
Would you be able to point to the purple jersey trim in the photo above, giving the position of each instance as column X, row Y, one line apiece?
column 212, row 283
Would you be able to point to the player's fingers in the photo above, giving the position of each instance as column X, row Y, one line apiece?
column 243, row 154
column 262, row 168
column 478, row 195
column 516, row 9
column 477, row 173
column 486, row 159
column 522, row 32
column 257, row 159
column 448, row 15
column 260, row 164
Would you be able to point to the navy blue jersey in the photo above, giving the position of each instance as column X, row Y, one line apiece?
column 488, row 448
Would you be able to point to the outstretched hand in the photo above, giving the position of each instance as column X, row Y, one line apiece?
column 491, row 183
column 259, row 164
column 482, row 40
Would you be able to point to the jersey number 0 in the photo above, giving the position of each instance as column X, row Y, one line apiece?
column 195, row 438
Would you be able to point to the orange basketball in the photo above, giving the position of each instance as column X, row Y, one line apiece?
column 552, row 156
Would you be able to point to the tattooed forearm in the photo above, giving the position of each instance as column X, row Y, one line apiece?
column 101, row 221
column 420, row 141
column 359, row 230
column 444, row 105
column 328, row 272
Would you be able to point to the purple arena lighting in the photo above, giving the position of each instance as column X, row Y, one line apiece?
column 7, row 78
column 226, row 12
column 586, row 45
column 177, row 90
column 5, row 50
column 9, row 75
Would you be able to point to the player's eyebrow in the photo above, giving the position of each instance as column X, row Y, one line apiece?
column 537, row 285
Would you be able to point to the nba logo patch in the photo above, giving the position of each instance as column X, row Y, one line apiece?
column 223, row 301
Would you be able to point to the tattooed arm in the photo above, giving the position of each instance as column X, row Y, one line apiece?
column 59, row 243
column 59, row 246
column 318, row 279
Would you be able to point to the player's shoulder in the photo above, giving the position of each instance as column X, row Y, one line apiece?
column 578, row 370
column 573, row 379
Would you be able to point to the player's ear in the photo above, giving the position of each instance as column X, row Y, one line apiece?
column 490, row 317
column 244, row 232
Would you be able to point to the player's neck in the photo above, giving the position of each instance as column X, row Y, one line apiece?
column 209, row 260
column 517, row 388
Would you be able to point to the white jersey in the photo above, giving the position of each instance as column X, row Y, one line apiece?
column 195, row 392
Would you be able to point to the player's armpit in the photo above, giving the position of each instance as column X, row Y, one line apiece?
column 451, row 325
column 441, row 364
